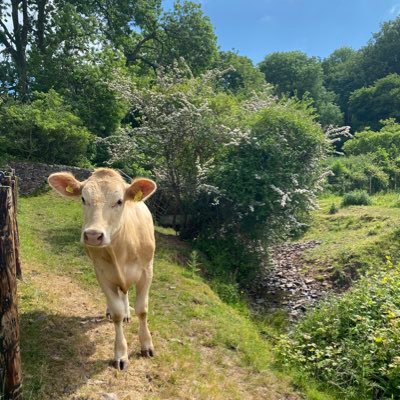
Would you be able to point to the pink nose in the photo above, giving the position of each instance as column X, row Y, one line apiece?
column 93, row 237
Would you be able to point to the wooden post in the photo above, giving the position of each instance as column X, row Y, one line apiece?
column 10, row 358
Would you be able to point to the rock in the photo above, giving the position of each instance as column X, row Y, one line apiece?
column 109, row 396
column 282, row 285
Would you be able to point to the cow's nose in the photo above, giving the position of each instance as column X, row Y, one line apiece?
column 93, row 237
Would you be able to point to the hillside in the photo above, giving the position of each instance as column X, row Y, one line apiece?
column 354, row 239
column 205, row 348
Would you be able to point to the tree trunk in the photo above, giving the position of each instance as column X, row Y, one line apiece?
column 10, row 358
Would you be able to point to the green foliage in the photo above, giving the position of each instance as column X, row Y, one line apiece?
column 369, row 105
column 241, row 76
column 295, row 74
column 44, row 130
column 334, row 209
column 342, row 75
column 351, row 342
column 372, row 163
column 369, row 172
column 188, row 33
column 368, row 141
column 262, row 187
column 380, row 56
column 356, row 198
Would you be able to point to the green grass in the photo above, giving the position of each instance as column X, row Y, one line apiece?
column 354, row 239
column 206, row 348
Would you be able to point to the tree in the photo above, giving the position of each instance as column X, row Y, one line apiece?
column 342, row 75
column 369, row 105
column 44, row 130
column 381, row 56
column 295, row 74
column 178, row 131
column 40, row 28
column 241, row 77
column 187, row 33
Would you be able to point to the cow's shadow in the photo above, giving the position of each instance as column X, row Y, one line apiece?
column 57, row 352
column 60, row 238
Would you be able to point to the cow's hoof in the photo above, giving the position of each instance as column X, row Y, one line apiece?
column 121, row 364
column 108, row 316
column 147, row 353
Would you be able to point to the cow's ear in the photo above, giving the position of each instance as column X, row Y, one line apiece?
column 65, row 184
column 140, row 189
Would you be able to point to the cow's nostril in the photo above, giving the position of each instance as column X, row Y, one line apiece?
column 93, row 237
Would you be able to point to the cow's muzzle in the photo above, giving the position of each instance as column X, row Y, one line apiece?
column 93, row 237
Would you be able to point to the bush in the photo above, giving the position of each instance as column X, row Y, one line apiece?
column 261, row 187
column 352, row 342
column 361, row 172
column 334, row 209
column 356, row 198
column 44, row 130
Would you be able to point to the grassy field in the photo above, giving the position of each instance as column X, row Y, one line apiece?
column 205, row 348
column 354, row 239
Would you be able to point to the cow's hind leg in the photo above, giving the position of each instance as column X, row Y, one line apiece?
column 141, row 309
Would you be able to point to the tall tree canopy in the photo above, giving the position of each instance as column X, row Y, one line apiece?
column 295, row 74
column 343, row 75
column 382, row 54
column 370, row 105
column 43, row 42
column 241, row 76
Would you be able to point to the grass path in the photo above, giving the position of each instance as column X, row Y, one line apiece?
column 205, row 348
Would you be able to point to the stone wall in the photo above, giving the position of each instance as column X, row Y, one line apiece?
column 33, row 176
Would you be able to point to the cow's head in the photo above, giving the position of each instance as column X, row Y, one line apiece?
column 104, row 196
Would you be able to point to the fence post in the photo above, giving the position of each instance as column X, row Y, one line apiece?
column 10, row 358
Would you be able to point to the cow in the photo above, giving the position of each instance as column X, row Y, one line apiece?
column 118, row 236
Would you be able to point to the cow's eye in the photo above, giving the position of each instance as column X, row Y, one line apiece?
column 83, row 201
column 119, row 202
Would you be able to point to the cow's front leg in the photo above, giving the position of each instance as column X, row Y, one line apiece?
column 116, row 304
column 141, row 309
column 127, row 316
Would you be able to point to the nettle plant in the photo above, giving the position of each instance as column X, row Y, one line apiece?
column 352, row 342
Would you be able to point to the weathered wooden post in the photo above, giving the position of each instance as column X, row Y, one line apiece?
column 10, row 358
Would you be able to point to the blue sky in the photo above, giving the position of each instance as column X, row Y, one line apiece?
column 255, row 28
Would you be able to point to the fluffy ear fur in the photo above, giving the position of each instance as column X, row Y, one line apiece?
column 140, row 189
column 65, row 184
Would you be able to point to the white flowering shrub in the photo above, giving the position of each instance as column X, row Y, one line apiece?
column 266, row 179
column 238, row 173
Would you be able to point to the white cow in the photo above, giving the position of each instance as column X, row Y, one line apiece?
column 118, row 236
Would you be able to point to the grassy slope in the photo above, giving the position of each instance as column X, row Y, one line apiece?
column 205, row 348
column 354, row 239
